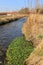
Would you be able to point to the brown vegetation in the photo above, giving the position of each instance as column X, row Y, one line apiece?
column 36, row 57
column 10, row 17
column 33, row 28
column 33, row 31
column 24, row 11
column 39, row 10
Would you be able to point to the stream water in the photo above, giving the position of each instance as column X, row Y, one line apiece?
column 8, row 32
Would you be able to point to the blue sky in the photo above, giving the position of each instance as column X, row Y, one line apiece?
column 14, row 5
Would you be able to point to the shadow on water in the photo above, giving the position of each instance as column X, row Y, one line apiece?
column 7, row 33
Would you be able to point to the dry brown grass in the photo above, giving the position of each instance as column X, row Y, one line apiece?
column 36, row 57
column 33, row 28
column 7, row 18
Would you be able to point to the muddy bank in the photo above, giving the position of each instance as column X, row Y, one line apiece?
column 2, row 56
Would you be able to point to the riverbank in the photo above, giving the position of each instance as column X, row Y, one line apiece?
column 18, row 51
column 9, row 18
column 33, row 28
column 8, row 32
column 33, row 31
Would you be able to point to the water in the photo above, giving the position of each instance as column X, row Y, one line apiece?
column 10, row 31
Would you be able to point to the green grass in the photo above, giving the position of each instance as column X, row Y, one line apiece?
column 18, row 51
column 40, row 36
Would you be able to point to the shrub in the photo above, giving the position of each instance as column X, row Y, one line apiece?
column 18, row 51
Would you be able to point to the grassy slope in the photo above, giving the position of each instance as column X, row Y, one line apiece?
column 18, row 51
column 36, row 57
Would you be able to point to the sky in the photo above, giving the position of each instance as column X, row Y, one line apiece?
column 15, row 5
